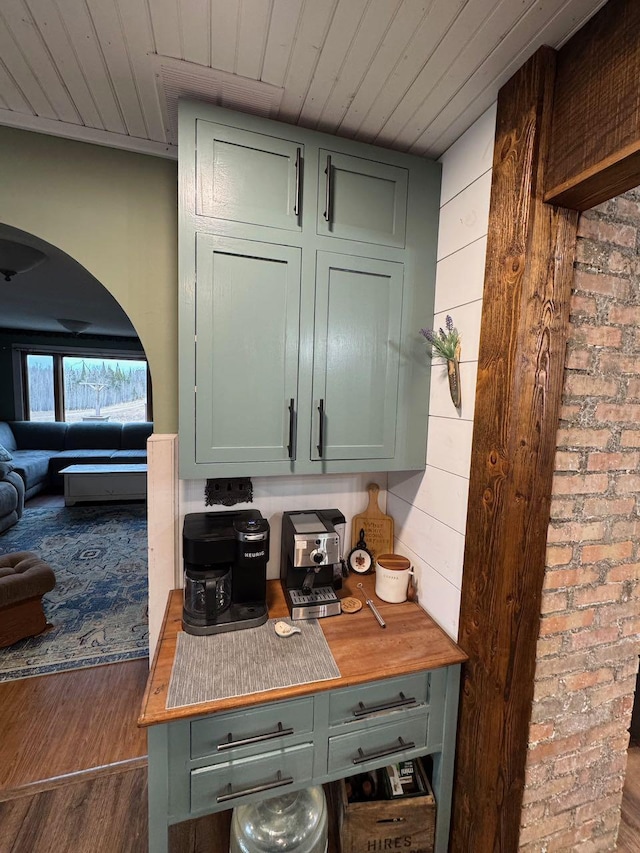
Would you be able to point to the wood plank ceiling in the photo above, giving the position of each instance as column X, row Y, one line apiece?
column 405, row 74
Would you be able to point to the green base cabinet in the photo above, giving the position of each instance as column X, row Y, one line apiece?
column 307, row 268
column 216, row 762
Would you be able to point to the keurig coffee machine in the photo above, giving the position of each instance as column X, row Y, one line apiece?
column 225, row 571
column 310, row 559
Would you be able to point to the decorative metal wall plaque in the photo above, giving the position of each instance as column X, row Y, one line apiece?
column 228, row 491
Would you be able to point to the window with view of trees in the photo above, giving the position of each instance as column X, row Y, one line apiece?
column 76, row 388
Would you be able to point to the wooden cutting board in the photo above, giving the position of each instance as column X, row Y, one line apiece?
column 378, row 527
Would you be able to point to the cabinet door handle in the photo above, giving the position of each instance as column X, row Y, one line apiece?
column 292, row 417
column 320, row 444
column 382, row 753
column 296, row 202
column 230, row 742
column 278, row 782
column 327, row 190
column 362, row 710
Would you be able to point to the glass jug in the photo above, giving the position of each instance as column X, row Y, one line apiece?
column 292, row 823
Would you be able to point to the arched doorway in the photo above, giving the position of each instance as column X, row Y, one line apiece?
column 76, row 394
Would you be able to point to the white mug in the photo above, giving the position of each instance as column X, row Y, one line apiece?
column 392, row 577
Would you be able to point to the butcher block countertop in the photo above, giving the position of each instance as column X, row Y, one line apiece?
column 363, row 651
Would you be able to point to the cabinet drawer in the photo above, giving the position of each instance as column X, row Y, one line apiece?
column 375, row 746
column 270, row 775
column 381, row 697
column 265, row 728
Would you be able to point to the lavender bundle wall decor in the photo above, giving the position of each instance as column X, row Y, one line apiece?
column 446, row 345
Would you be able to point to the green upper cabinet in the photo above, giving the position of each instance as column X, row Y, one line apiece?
column 361, row 199
column 355, row 357
column 247, row 177
column 246, row 345
column 307, row 268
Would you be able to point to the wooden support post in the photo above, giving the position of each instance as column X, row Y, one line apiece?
column 528, row 279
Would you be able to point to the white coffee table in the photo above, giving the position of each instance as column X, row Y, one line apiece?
column 104, row 483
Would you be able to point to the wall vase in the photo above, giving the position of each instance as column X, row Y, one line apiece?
column 453, row 371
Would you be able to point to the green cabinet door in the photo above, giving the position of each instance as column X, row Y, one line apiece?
column 361, row 199
column 247, row 330
column 247, row 177
column 356, row 357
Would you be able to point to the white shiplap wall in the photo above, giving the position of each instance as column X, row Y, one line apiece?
column 275, row 495
column 430, row 508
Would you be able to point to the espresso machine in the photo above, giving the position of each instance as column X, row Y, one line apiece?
column 225, row 571
column 311, row 558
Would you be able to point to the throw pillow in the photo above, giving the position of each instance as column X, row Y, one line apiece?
column 5, row 456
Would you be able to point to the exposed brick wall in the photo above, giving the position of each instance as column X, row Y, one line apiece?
column 588, row 645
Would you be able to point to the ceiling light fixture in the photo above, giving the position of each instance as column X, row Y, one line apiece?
column 17, row 258
column 75, row 326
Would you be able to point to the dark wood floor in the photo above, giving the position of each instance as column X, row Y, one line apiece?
column 55, row 725
column 106, row 814
column 103, row 814
column 73, row 776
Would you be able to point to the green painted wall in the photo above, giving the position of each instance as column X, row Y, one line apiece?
column 115, row 213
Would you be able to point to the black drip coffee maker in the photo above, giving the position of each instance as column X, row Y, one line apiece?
column 225, row 571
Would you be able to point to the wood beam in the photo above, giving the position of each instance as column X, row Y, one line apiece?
column 525, row 316
column 594, row 152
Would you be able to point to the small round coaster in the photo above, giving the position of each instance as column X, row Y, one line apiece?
column 351, row 605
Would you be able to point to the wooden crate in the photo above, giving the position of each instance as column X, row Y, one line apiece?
column 403, row 825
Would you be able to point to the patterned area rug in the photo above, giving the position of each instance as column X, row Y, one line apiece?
column 98, row 609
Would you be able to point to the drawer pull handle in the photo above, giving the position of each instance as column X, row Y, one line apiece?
column 382, row 753
column 401, row 702
column 320, row 444
column 292, row 416
column 279, row 782
column 230, row 742
column 296, row 203
column 327, row 191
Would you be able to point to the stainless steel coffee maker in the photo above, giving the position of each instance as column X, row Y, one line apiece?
column 311, row 561
column 225, row 571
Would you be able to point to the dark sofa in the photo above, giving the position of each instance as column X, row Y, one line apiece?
column 39, row 450
column 11, row 495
